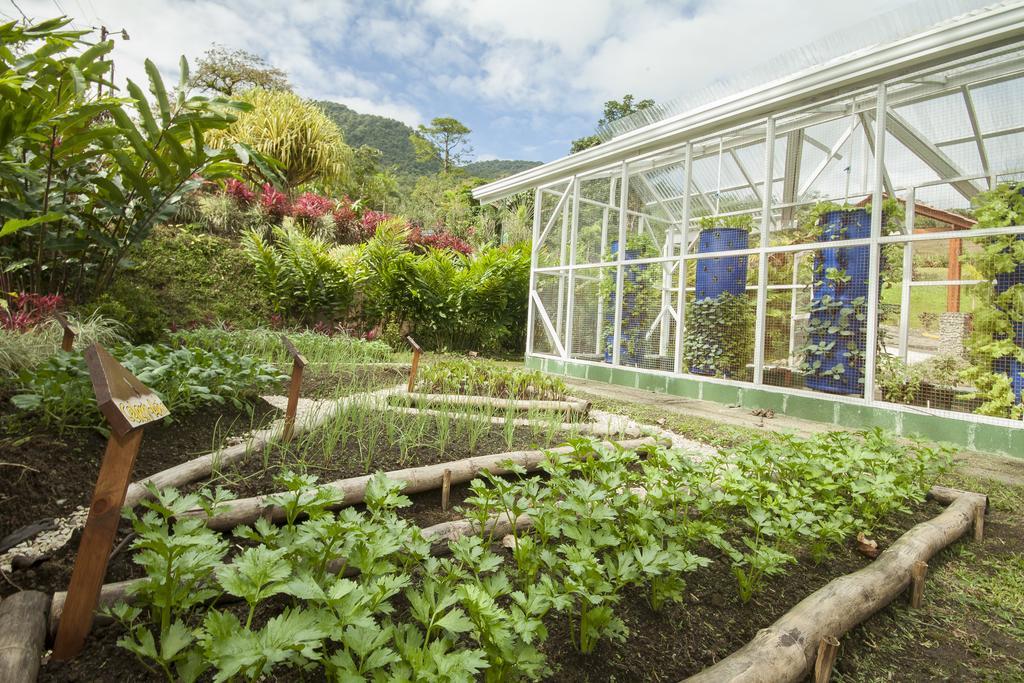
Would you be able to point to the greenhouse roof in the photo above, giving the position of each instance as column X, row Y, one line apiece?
column 909, row 39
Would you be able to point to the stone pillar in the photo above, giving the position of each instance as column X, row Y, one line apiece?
column 954, row 328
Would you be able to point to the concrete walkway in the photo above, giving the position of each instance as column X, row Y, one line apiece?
column 1001, row 468
column 708, row 410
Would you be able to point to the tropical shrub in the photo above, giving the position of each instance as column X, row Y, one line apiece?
column 86, row 179
column 293, row 131
column 59, row 391
column 300, row 275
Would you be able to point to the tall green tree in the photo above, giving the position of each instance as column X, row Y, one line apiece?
column 445, row 139
column 613, row 111
column 232, row 72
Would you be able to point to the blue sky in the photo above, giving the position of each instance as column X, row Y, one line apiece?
column 527, row 76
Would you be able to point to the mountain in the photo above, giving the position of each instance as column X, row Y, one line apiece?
column 391, row 137
column 388, row 135
column 498, row 168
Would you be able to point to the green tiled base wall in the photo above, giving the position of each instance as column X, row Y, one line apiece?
column 964, row 433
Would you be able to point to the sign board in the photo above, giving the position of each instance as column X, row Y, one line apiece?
column 125, row 402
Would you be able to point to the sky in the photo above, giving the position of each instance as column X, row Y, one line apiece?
column 527, row 76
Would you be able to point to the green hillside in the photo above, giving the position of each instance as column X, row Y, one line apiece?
column 388, row 135
column 498, row 168
column 392, row 138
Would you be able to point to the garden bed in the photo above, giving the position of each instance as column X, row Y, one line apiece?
column 680, row 640
column 600, row 503
column 46, row 474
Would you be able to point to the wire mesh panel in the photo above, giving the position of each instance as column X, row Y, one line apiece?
column 549, row 313
column 647, row 328
column 593, row 316
column 555, row 215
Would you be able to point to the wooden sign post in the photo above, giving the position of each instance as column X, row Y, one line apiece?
column 68, row 342
column 127, row 405
column 298, row 365
column 416, row 351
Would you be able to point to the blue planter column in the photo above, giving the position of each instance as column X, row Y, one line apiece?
column 720, row 275
column 839, row 306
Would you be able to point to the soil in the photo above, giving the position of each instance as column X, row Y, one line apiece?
column 669, row 645
column 46, row 474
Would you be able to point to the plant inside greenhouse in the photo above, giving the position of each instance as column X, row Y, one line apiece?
column 338, row 344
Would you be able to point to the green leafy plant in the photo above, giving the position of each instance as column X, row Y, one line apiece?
column 994, row 340
column 60, row 392
column 719, row 335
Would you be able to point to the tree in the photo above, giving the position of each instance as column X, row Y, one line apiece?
column 446, row 139
column 295, row 132
column 613, row 111
column 231, row 72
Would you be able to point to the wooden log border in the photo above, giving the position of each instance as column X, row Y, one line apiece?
column 594, row 428
column 202, row 467
column 22, row 635
column 416, row 480
column 786, row 651
column 569, row 406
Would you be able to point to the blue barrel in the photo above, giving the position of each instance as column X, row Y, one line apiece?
column 833, row 302
column 721, row 274
column 626, row 357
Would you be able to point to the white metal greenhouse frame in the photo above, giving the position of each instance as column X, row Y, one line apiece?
column 952, row 58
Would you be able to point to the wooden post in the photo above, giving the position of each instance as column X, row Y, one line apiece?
column 917, row 574
column 446, row 489
column 298, row 365
column 127, row 405
column 979, row 521
column 828, row 648
column 68, row 342
column 416, row 351
column 953, row 273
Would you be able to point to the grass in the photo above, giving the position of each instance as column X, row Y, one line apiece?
column 930, row 300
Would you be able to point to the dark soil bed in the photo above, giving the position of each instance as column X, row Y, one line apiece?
column 667, row 646
column 255, row 476
column 46, row 474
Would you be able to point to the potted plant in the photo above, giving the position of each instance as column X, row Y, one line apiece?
column 833, row 359
column 996, row 344
column 719, row 330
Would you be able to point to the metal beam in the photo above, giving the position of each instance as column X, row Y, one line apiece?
column 831, row 154
column 791, row 174
column 979, row 139
column 936, row 159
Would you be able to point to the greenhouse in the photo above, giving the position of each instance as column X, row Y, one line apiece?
column 842, row 243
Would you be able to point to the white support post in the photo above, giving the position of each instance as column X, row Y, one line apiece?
column 874, row 264
column 620, row 271
column 562, row 248
column 665, row 314
column 908, row 275
column 538, row 199
column 573, row 234
column 599, row 332
column 762, row 257
column 684, row 227
column 794, row 283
